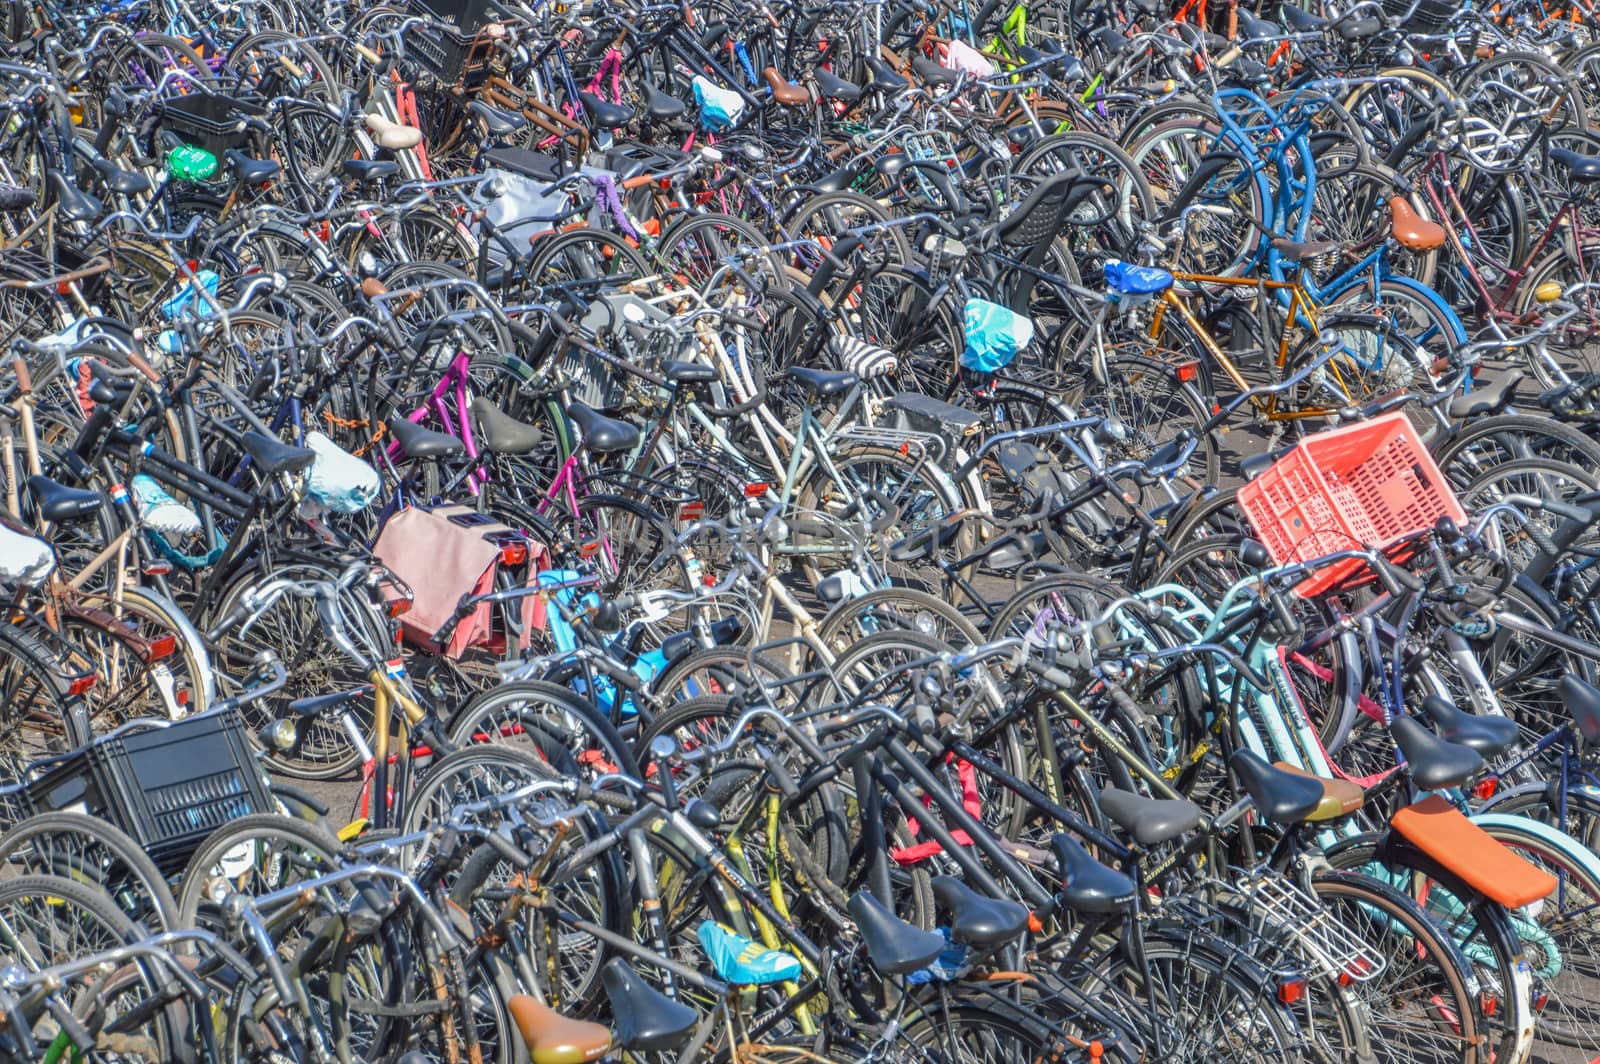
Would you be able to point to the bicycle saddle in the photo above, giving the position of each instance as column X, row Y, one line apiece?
column 603, row 113
column 866, row 361
column 1112, row 41
column 419, row 442
column 123, row 182
column 1435, row 763
column 932, row 73
column 1301, row 20
column 976, row 919
column 688, row 372
column 501, row 433
column 1055, row 62
column 821, row 383
column 1340, row 798
column 645, row 1019
column 75, row 204
column 1583, row 702
column 366, row 171
column 1087, row 886
column 272, row 456
column 601, row 434
column 16, row 198
column 659, row 105
column 392, row 135
column 1490, row 736
column 1358, row 29
column 1411, row 229
column 252, row 172
column 1256, row 29
column 57, row 502
column 1579, row 167
column 885, row 76
column 1487, row 400
column 834, row 87
column 1280, row 797
column 896, row 947
column 1151, row 821
column 785, row 93
column 498, row 123
column 1256, row 464
column 552, row 1038
column 1296, row 251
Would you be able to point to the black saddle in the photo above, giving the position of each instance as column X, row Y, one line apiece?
column 419, row 442
column 500, row 432
column 1301, row 20
column 932, row 72
column 74, row 204
column 57, row 502
column 1582, row 700
column 661, row 106
column 272, row 456
column 833, row 87
column 643, row 1019
column 885, row 76
column 688, row 373
column 252, row 172
column 497, row 122
column 1150, row 821
column 1490, row 400
column 1281, row 797
column 1257, row 29
column 822, row 382
column 1087, row 886
column 603, row 113
column 366, row 171
column 976, row 919
column 1490, row 736
column 1435, row 764
column 601, row 434
column 1112, row 41
column 123, row 182
column 532, row 164
column 1583, row 168
column 896, row 947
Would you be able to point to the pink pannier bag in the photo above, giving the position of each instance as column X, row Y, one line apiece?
column 444, row 559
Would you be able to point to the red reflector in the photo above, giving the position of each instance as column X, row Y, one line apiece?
column 590, row 549
column 1290, row 992
column 157, row 567
column 80, row 685
column 64, row 288
column 160, row 648
column 183, row 696
column 1485, row 788
column 1491, row 1004
column 513, row 554
column 1188, row 371
column 754, row 491
column 691, row 511
column 399, row 606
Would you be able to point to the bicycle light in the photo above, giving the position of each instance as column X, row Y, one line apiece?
column 281, row 735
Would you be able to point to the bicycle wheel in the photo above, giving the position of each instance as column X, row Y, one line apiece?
column 1420, row 1007
column 35, row 695
column 1484, row 443
column 1573, row 346
column 695, row 248
column 1154, row 404
column 92, row 851
column 252, row 855
column 1221, row 243
column 582, row 258
column 977, row 1034
column 896, row 608
column 633, row 546
column 501, row 715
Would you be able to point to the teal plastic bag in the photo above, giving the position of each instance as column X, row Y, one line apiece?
column 994, row 335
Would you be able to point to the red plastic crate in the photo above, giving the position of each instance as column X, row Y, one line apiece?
column 1357, row 486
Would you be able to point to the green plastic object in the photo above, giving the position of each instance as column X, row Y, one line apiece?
column 189, row 163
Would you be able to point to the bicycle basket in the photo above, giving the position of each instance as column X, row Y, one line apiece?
column 167, row 785
column 210, row 121
column 1353, row 487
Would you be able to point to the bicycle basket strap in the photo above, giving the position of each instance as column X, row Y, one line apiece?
column 1441, row 831
column 994, row 335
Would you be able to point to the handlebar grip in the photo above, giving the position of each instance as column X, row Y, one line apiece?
column 137, row 361
column 1394, row 577
column 617, row 800
column 510, row 850
column 1571, row 511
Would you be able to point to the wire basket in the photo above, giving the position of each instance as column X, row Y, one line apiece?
column 1278, row 904
column 1348, row 488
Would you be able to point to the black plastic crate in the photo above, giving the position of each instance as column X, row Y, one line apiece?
column 467, row 16
column 166, row 785
column 1431, row 16
column 438, row 53
column 210, row 121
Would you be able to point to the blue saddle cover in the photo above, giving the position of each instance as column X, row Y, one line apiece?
column 1126, row 279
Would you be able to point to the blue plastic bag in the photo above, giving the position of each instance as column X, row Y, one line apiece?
column 994, row 335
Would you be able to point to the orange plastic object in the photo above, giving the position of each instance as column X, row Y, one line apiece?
column 1347, row 488
column 1439, row 830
